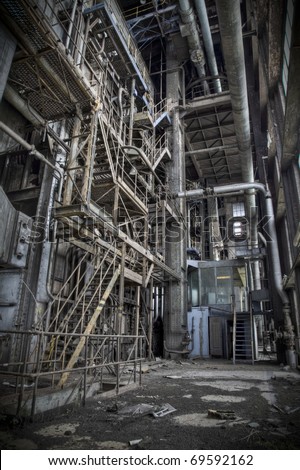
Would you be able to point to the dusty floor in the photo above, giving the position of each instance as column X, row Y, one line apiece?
column 262, row 404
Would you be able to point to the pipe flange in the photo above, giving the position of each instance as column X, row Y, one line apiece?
column 197, row 57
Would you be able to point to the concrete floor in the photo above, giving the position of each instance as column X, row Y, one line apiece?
column 212, row 404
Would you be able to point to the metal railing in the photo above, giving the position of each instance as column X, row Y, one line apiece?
column 25, row 379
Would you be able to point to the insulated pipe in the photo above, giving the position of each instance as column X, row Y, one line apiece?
column 71, row 25
column 229, row 17
column 273, row 245
column 23, row 107
column 196, row 51
column 30, row 114
column 121, row 92
column 211, row 149
column 208, row 43
column 131, row 115
column 32, row 150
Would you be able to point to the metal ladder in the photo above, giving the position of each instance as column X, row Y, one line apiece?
column 243, row 348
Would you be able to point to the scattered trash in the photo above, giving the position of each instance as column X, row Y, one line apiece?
column 165, row 410
column 148, row 396
column 140, row 409
column 135, row 442
column 172, row 376
column 8, row 384
column 277, row 408
column 253, row 425
column 221, row 414
column 294, row 410
column 112, row 409
column 112, row 445
column 275, row 422
column 144, row 369
column 287, row 409
column 284, row 431
column 187, row 396
column 59, row 430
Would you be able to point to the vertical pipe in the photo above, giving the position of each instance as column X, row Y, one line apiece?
column 196, row 51
column 229, row 16
column 38, row 362
column 71, row 25
column 67, row 199
column 85, row 371
column 132, row 101
column 150, row 322
column 136, row 327
column 208, row 43
column 87, row 28
column 116, row 205
column 120, row 310
column 89, row 166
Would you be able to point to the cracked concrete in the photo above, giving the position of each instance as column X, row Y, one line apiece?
column 263, row 398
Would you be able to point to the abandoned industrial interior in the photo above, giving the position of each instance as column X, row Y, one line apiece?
column 150, row 191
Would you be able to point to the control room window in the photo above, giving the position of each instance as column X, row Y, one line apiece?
column 238, row 209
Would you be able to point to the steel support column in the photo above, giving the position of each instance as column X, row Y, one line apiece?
column 175, row 309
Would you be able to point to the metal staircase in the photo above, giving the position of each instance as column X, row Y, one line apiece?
column 75, row 311
column 243, row 350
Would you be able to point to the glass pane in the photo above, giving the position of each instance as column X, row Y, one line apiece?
column 195, row 288
column 224, row 285
column 238, row 209
column 208, row 286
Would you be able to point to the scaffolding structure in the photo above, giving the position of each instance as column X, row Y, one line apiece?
column 86, row 89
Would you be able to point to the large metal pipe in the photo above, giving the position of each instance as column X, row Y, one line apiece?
column 229, row 17
column 208, row 43
column 211, row 149
column 192, row 35
column 23, row 107
column 31, row 114
column 32, row 150
column 71, row 25
column 272, row 244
